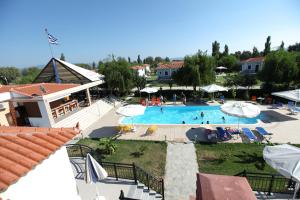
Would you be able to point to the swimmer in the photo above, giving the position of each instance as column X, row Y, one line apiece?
column 223, row 118
column 195, row 118
column 201, row 122
column 207, row 122
column 161, row 109
column 183, row 122
column 202, row 114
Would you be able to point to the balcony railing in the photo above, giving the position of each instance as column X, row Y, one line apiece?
column 64, row 109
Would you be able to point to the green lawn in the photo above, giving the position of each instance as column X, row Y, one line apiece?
column 230, row 159
column 153, row 160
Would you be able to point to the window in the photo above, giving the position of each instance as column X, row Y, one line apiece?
column 249, row 66
column 32, row 109
column 166, row 73
column 159, row 73
column 256, row 68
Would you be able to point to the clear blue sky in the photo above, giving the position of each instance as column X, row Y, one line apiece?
column 90, row 30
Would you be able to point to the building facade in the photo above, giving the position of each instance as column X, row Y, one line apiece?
column 252, row 65
column 164, row 71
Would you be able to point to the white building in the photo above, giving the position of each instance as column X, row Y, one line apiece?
column 142, row 70
column 54, row 104
column 164, row 71
column 252, row 65
column 35, row 165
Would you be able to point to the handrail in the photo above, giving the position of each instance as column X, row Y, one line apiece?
column 270, row 183
column 121, row 170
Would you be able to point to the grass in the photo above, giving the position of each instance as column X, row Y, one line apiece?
column 230, row 159
column 152, row 160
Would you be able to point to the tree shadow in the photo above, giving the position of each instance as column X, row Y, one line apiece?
column 254, row 158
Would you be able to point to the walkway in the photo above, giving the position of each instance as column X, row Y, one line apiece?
column 181, row 169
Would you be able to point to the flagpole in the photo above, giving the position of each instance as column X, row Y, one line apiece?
column 51, row 51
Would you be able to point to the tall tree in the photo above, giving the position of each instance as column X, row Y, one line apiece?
column 245, row 55
column 149, row 60
column 230, row 62
column 216, row 49
column 93, row 65
column 281, row 47
column 62, row 57
column 255, row 52
column 139, row 60
column 128, row 60
column 167, row 59
column 226, row 50
column 267, row 46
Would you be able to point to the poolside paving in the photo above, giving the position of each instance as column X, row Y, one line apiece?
column 181, row 170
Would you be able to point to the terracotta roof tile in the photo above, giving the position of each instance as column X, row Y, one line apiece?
column 256, row 59
column 171, row 65
column 35, row 89
column 22, row 148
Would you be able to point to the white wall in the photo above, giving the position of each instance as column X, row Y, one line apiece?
column 253, row 66
column 43, row 121
column 162, row 74
column 3, row 113
column 85, row 116
column 51, row 179
column 141, row 72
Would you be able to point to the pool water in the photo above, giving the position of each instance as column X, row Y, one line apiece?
column 188, row 114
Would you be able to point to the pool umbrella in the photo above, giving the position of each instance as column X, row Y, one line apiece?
column 240, row 110
column 149, row 90
column 94, row 172
column 131, row 111
column 215, row 187
column 286, row 160
column 221, row 67
column 213, row 88
column 293, row 95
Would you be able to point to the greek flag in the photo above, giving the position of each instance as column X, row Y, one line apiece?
column 51, row 38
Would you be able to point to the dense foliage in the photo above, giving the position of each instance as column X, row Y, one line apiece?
column 198, row 69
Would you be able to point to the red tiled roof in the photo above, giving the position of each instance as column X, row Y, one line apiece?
column 22, row 148
column 257, row 59
column 35, row 89
column 136, row 67
column 171, row 65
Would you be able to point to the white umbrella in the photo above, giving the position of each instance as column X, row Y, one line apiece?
column 131, row 111
column 240, row 109
column 286, row 160
column 94, row 172
column 149, row 90
column 221, row 67
column 293, row 95
column 213, row 88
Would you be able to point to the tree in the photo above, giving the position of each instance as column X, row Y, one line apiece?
column 216, row 49
column 230, row 62
column 28, row 75
column 93, row 65
column 247, row 81
column 128, row 60
column 294, row 47
column 84, row 65
column 198, row 69
column 237, row 54
column 158, row 59
column 280, row 67
column 139, row 60
column 62, row 57
column 139, row 81
column 149, row 60
column 233, row 81
column 9, row 74
column 245, row 55
column 170, row 83
column 108, row 145
column 226, row 50
column 281, row 47
column 255, row 52
column 167, row 59
column 267, row 46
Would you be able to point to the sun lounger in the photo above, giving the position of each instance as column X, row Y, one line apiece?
column 292, row 108
column 222, row 134
column 262, row 131
column 151, row 129
column 249, row 134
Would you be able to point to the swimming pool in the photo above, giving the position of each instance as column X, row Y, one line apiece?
column 188, row 114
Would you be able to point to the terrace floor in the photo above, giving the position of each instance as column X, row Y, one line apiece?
column 284, row 126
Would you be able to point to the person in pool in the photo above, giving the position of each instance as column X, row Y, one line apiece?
column 207, row 122
column 223, row 118
column 196, row 118
column 183, row 122
column 161, row 109
column 202, row 114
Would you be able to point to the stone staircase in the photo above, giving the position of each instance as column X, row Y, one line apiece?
column 141, row 192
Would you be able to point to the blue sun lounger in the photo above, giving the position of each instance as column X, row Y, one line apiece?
column 222, row 134
column 249, row 134
column 262, row 131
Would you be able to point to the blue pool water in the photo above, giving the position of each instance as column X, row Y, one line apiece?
column 189, row 114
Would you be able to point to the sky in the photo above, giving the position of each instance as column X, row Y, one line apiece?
column 91, row 30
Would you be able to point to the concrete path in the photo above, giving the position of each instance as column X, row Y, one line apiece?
column 181, row 169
